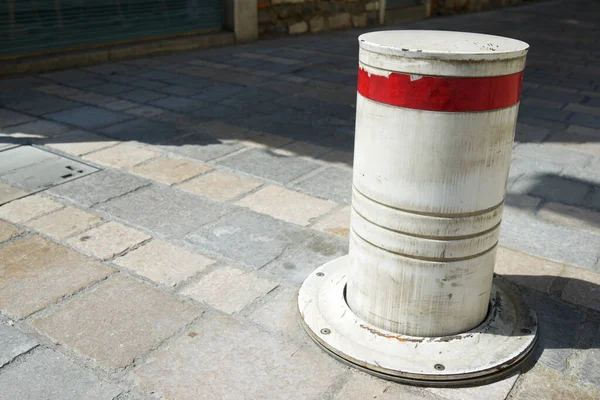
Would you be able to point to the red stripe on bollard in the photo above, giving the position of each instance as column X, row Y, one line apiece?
column 435, row 93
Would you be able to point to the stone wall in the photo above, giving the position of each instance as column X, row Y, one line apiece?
column 281, row 17
column 454, row 6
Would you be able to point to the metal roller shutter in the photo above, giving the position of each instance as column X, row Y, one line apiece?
column 30, row 27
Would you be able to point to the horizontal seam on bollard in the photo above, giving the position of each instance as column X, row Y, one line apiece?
column 472, row 214
column 436, row 259
column 444, row 238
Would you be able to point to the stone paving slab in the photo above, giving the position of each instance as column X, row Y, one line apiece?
column 165, row 211
column 142, row 130
column 229, row 289
column 201, row 147
column 97, row 188
column 64, row 223
column 222, row 358
column 163, row 262
column 248, row 238
column 108, row 240
column 45, row 272
column 13, row 343
column 49, row 375
column 268, row 165
column 9, row 193
column 9, row 231
column 531, row 235
column 88, row 117
column 79, row 142
column 286, row 205
column 107, row 326
column 123, row 155
column 170, row 170
column 220, row 186
column 332, row 183
column 25, row 209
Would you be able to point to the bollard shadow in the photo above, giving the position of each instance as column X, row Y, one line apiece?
column 562, row 200
column 568, row 311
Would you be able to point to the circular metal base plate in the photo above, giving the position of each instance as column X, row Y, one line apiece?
column 493, row 349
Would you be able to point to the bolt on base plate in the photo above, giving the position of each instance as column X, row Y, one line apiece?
column 495, row 348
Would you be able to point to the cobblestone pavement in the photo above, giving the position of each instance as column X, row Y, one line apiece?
column 214, row 181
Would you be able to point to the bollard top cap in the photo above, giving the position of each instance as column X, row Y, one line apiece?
column 444, row 53
column 443, row 45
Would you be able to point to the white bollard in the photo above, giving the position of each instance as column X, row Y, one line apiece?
column 435, row 121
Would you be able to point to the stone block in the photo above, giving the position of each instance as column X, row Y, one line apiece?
column 559, row 326
column 298, row 261
column 8, row 118
column 526, row 270
column 44, row 271
column 226, row 359
column 179, row 104
column 359, row 21
column 39, row 128
column 143, row 130
column 97, row 188
column 165, row 211
column 229, row 289
column 79, row 142
column 123, row 155
column 201, row 147
column 286, row 205
column 220, row 186
column 170, row 170
column 109, row 88
column 107, row 326
column 574, row 217
column 13, row 343
column 142, row 95
column 361, row 386
column 9, row 231
column 493, row 391
column 297, row 28
column 268, row 165
column 64, row 223
column 592, row 121
column 27, row 208
column 317, row 24
column 49, row 375
column 120, row 105
column 35, row 103
column 302, row 149
column 108, row 240
column 145, row 111
column 337, row 223
column 332, row 184
column 163, row 262
column 9, row 193
column 88, row 117
column 543, row 383
column 248, row 238
column 532, row 235
column 583, row 287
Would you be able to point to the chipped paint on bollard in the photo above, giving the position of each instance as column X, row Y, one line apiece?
column 436, row 116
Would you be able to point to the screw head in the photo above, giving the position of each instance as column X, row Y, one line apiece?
column 439, row 367
column 325, row 331
column 320, row 274
column 525, row 331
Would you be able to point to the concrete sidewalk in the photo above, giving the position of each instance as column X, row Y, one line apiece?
column 160, row 214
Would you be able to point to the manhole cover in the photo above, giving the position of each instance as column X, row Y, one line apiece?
column 34, row 169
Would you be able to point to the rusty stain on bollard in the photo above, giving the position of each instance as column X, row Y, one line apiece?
column 435, row 121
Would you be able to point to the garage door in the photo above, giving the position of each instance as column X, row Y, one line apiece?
column 39, row 26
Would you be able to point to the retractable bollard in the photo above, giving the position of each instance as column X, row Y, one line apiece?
column 415, row 300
